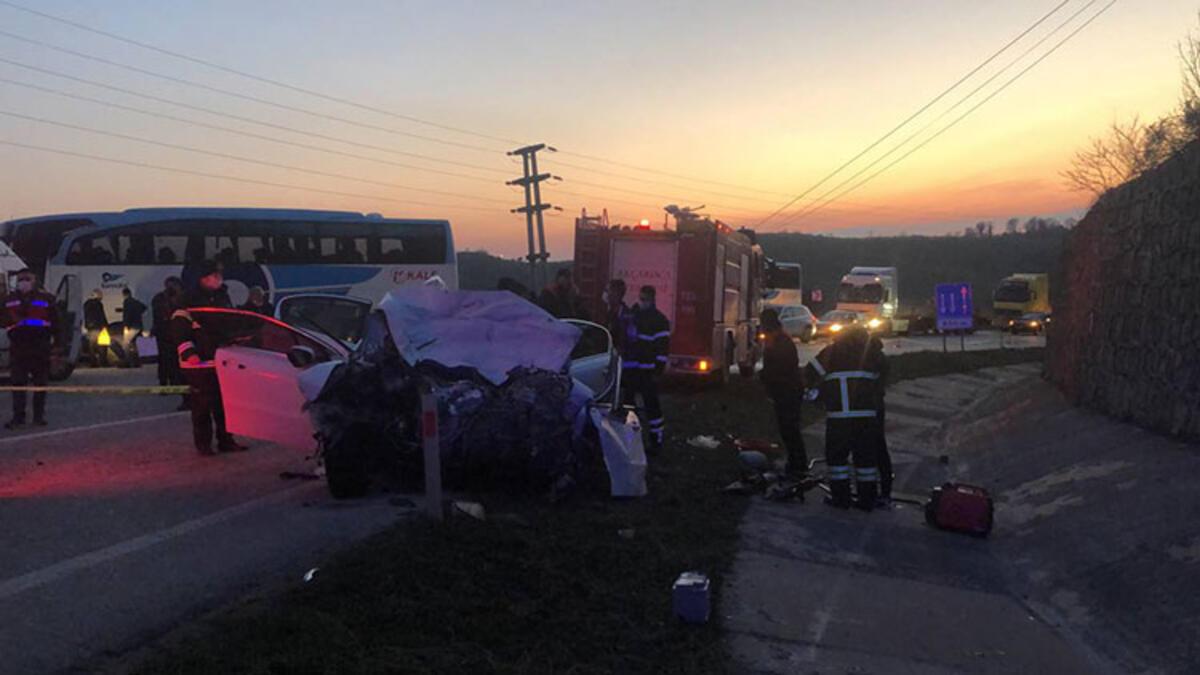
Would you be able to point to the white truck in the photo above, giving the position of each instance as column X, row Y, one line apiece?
column 874, row 292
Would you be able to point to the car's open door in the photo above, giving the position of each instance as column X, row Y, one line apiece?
column 260, row 384
column 262, row 398
column 594, row 360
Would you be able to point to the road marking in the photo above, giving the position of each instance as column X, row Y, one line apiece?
column 89, row 427
column 80, row 563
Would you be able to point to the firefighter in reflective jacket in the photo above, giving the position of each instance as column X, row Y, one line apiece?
column 851, row 374
column 196, row 349
column 644, row 357
column 31, row 322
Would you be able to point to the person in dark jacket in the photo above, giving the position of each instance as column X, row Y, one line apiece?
column 851, row 375
column 95, row 321
column 257, row 302
column 132, row 313
column 561, row 299
column 162, row 306
column 644, row 359
column 196, row 349
column 784, row 383
column 619, row 318
column 31, row 319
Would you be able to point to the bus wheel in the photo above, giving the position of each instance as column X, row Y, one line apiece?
column 60, row 370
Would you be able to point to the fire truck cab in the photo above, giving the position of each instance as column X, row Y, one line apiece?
column 707, row 277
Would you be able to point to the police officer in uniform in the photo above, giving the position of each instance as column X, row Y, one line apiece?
column 196, row 349
column 31, row 321
column 645, row 357
column 851, row 375
column 782, row 377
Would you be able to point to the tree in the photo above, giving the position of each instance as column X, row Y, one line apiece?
column 990, row 228
column 1189, row 66
column 1124, row 153
column 970, row 233
column 981, row 227
column 1129, row 149
column 1011, row 226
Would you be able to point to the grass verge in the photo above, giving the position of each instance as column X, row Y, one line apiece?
column 554, row 589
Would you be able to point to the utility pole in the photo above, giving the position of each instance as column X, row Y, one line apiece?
column 531, row 181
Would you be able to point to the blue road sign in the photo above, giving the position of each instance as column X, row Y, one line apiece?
column 955, row 309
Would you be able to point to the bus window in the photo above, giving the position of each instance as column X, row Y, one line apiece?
column 170, row 249
column 137, row 249
column 252, row 249
column 93, row 250
column 351, row 249
column 391, row 250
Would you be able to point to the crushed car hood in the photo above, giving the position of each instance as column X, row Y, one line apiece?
column 490, row 331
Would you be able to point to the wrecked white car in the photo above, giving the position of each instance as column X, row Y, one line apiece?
column 512, row 383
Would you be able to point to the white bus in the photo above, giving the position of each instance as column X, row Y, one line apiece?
column 286, row 252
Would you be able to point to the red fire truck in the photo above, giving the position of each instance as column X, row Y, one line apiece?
column 708, row 280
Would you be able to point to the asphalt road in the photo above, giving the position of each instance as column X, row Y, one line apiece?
column 113, row 529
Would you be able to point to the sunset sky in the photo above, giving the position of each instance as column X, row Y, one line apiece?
column 745, row 104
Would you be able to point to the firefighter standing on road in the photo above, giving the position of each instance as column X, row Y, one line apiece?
column 196, row 349
column 784, row 382
column 851, row 374
column 31, row 321
column 645, row 357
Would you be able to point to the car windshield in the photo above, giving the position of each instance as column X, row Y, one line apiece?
column 839, row 315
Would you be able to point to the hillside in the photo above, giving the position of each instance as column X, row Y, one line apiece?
column 922, row 262
column 481, row 271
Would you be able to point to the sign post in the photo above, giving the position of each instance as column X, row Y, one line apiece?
column 433, row 458
column 955, row 310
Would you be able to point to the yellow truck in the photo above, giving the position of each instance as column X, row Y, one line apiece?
column 1020, row 294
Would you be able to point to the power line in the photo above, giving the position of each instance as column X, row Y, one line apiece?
column 914, row 115
column 241, row 118
column 342, row 100
column 239, row 132
column 875, row 162
column 263, row 101
column 943, row 130
column 252, row 76
column 236, row 179
column 243, row 97
column 239, row 158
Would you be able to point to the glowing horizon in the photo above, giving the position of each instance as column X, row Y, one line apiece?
column 769, row 97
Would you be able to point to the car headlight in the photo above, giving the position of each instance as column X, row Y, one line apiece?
column 835, row 328
column 874, row 323
column 1034, row 324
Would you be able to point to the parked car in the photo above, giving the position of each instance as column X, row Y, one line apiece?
column 836, row 320
column 1033, row 323
column 798, row 322
column 261, row 360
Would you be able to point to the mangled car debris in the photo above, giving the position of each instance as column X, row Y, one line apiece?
column 519, row 395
